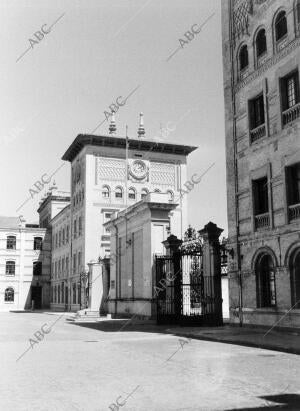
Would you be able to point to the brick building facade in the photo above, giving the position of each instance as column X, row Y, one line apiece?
column 261, row 60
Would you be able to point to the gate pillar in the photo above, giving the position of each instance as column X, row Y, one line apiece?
column 172, row 244
column 212, row 271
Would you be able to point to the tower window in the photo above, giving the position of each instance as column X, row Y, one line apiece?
column 131, row 194
column 243, row 57
column 280, row 26
column 257, row 114
column 119, row 192
column 261, row 43
column 261, row 203
column 105, row 192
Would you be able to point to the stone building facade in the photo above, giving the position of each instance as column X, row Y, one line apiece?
column 25, row 260
column 261, row 65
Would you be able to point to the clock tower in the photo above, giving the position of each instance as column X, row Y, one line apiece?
column 111, row 172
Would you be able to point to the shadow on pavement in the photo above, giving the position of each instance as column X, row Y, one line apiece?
column 123, row 325
column 284, row 402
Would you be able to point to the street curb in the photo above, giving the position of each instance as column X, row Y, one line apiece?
column 271, row 347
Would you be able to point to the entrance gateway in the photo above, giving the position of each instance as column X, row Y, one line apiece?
column 188, row 282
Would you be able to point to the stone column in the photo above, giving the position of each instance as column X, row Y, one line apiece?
column 212, row 272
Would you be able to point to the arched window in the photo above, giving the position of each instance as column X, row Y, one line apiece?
column 243, row 57
column 119, row 192
column 295, row 279
column 131, row 194
column 37, row 243
column 261, row 43
column 11, row 242
column 105, row 192
column 10, row 268
column 171, row 195
column 9, row 295
column 265, row 281
column 280, row 26
column 144, row 193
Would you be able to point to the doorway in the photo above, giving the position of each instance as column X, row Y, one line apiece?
column 36, row 296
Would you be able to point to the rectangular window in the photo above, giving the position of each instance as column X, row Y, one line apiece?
column 79, row 260
column 67, row 235
column 74, row 263
column 261, row 202
column 67, row 265
column 59, row 239
column 10, row 268
column 11, row 242
column 79, row 226
column 290, row 97
column 37, row 268
column 260, row 192
column 257, row 113
column 63, row 265
column 37, row 243
column 74, row 293
column 257, row 118
column 293, row 191
column 75, row 229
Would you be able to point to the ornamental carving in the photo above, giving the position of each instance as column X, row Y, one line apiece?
column 110, row 169
column 242, row 9
column 162, row 174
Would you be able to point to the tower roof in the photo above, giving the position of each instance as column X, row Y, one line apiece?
column 83, row 140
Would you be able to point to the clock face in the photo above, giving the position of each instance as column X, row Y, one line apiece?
column 138, row 169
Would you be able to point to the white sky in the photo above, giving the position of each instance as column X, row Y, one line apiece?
column 99, row 50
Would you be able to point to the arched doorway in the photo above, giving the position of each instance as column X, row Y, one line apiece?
column 295, row 278
column 265, row 281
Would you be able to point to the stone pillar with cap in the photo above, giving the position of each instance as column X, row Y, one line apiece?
column 212, row 270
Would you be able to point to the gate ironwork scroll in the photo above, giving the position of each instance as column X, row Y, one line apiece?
column 184, row 293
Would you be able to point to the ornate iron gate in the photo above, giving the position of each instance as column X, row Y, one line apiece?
column 185, row 295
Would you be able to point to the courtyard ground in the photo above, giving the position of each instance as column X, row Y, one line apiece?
column 115, row 365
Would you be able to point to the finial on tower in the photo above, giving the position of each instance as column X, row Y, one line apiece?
column 141, row 129
column 112, row 126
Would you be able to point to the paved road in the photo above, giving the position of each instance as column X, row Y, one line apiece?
column 80, row 367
